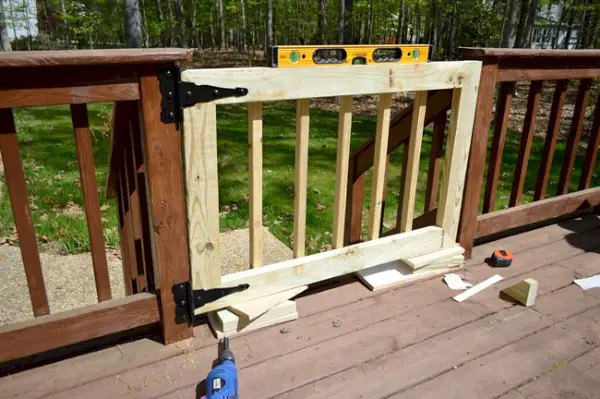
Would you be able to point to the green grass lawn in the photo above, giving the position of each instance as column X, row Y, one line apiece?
column 49, row 156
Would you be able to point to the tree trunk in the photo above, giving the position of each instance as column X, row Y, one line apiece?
column 341, row 22
column 370, row 23
column 269, row 38
column 520, row 38
column 221, row 23
column 66, row 23
column 507, row 29
column 569, row 29
column 530, row 22
column 180, row 16
column 161, row 18
column 563, row 13
column 348, row 34
column 322, row 21
column 399, row 30
column 582, row 27
column 171, row 23
column 133, row 24
column 4, row 39
column 243, row 36
column 145, row 26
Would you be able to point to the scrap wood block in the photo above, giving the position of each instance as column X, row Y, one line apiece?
column 252, row 309
column 524, row 291
column 226, row 323
column 440, row 259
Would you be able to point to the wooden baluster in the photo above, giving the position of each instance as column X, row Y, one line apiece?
column 129, row 281
column 560, row 96
column 341, row 170
column 583, row 97
column 301, row 173
column 134, row 212
column 502, row 116
column 200, row 137
column 384, row 194
column 165, row 185
column 414, row 155
column 255, row 170
column 589, row 163
column 435, row 158
column 128, row 229
column 89, row 187
column 464, row 101
column 19, row 200
column 381, row 145
column 140, row 185
column 533, row 104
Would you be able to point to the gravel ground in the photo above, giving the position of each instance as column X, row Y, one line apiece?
column 69, row 279
column 69, row 282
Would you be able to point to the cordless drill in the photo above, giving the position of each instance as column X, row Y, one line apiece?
column 222, row 381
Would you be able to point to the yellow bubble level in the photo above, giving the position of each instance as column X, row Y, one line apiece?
column 336, row 55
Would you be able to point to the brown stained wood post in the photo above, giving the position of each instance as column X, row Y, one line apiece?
column 477, row 156
column 435, row 158
column 140, row 181
column 560, row 96
column 134, row 207
column 357, row 190
column 495, row 164
column 533, row 104
column 19, row 200
column 128, row 233
column 89, row 187
column 583, row 97
column 589, row 162
column 385, row 183
column 164, row 182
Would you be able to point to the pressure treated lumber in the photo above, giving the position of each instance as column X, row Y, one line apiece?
column 341, row 170
column 255, row 170
column 275, row 84
column 393, row 274
column 303, row 271
column 379, row 165
column 478, row 288
column 301, row 176
column 252, row 309
column 524, row 292
column 411, row 172
column 200, row 138
column 443, row 258
column 227, row 323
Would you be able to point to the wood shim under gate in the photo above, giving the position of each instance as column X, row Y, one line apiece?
column 269, row 84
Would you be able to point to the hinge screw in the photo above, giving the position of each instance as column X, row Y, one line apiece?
column 169, row 74
column 170, row 94
column 171, row 114
column 189, row 93
column 216, row 92
column 182, row 303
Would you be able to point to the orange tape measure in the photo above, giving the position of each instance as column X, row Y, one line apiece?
column 502, row 258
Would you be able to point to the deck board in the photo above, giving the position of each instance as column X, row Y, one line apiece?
column 403, row 342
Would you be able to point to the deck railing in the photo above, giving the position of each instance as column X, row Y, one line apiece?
column 506, row 67
column 142, row 147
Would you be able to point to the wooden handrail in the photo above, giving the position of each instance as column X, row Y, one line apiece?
column 509, row 66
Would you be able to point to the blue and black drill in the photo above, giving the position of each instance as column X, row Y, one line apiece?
column 222, row 381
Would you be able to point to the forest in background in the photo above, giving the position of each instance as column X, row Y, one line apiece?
column 253, row 25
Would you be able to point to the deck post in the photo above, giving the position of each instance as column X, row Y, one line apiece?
column 161, row 143
column 477, row 156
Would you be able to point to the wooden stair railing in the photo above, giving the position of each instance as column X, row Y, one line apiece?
column 361, row 160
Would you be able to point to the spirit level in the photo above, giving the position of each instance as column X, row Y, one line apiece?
column 306, row 56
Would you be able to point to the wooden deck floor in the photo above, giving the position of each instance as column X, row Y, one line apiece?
column 412, row 342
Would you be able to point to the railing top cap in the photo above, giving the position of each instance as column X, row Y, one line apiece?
column 93, row 57
column 483, row 53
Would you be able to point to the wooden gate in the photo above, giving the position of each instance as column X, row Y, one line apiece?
column 266, row 84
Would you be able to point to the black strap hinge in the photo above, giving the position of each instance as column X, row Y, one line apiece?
column 188, row 299
column 177, row 95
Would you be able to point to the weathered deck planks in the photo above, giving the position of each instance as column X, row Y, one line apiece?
column 381, row 334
